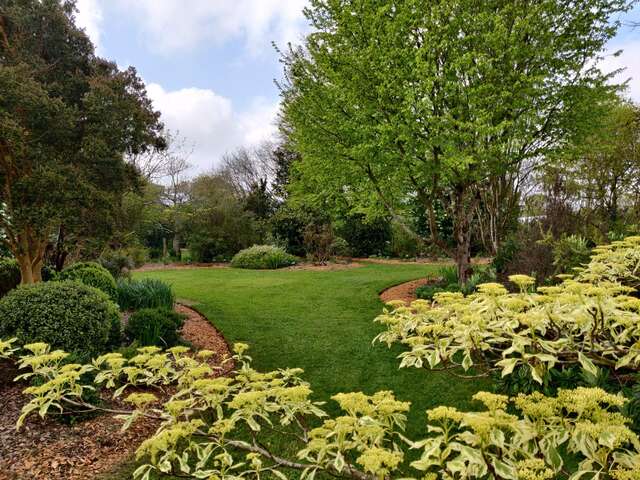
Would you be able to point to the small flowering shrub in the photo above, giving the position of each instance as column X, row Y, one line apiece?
column 591, row 319
column 204, row 424
column 261, row 257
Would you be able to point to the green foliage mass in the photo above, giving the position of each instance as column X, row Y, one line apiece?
column 120, row 262
column 262, row 257
column 289, row 223
column 92, row 274
column 154, row 326
column 144, row 293
column 365, row 236
column 68, row 315
column 448, row 282
column 117, row 263
column 431, row 100
column 67, row 120
column 569, row 252
column 216, row 224
column 9, row 275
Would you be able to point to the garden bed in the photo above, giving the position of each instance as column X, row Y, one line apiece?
column 53, row 450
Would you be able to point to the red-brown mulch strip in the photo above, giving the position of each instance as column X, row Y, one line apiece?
column 45, row 449
column 405, row 291
column 328, row 267
column 198, row 331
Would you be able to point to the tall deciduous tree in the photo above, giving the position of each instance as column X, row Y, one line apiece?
column 393, row 101
column 606, row 168
column 67, row 118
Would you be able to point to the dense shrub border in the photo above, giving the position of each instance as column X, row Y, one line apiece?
column 261, row 257
column 68, row 315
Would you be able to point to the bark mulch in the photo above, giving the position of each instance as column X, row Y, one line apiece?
column 198, row 331
column 47, row 449
column 405, row 291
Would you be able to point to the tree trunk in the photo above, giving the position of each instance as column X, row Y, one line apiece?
column 175, row 245
column 463, row 213
column 613, row 208
column 26, row 271
column 29, row 253
column 463, row 253
column 30, row 269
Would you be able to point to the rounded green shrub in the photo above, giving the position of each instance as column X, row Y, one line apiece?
column 154, row 326
column 9, row 275
column 145, row 293
column 68, row 315
column 92, row 274
column 118, row 264
column 340, row 247
column 262, row 257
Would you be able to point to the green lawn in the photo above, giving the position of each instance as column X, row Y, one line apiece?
column 321, row 321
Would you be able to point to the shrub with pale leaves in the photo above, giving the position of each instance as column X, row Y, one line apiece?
column 204, row 424
column 591, row 319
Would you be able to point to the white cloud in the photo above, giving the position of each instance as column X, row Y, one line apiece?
column 89, row 17
column 210, row 123
column 170, row 26
column 630, row 61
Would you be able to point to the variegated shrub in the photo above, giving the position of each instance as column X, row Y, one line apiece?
column 591, row 318
column 224, row 427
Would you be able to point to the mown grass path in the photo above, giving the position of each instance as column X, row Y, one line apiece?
column 321, row 321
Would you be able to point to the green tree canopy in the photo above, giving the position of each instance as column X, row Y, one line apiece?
column 67, row 117
column 389, row 102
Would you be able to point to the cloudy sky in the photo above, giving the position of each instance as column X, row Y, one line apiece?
column 210, row 65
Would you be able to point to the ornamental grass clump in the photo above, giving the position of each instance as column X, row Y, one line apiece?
column 144, row 293
column 263, row 257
